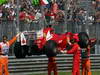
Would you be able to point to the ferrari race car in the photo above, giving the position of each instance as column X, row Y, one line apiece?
column 46, row 41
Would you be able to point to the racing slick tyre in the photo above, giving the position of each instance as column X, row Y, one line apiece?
column 83, row 39
column 50, row 48
column 33, row 48
column 20, row 51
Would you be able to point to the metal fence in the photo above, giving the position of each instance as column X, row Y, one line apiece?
column 38, row 64
column 9, row 28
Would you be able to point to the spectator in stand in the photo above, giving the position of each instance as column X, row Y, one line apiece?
column 60, row 16
column 49, row 15
column 54, row 7
column 96, row 4
column 97, row 17
column 79, row 19
column 22, row 15
column 12, row 1
column 61, row 4
column 30, row 16
column 5, row 14
column 38, row 15
column 1, row 14
column 11, row 15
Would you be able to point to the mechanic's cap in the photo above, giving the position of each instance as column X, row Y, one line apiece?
column 75, row 37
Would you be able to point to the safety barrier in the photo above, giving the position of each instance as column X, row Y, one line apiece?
column 38, row 64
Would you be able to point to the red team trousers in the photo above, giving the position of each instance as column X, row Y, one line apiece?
column 75, row 50
column 52, row 66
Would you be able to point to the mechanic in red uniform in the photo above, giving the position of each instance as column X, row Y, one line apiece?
column 4, row 50
column 85, row 54
column 62, row 41
column 52, row 65
column 75, row 50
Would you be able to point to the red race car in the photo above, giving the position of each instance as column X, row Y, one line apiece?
column 46, row 41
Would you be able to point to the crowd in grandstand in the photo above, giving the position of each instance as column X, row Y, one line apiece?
column 96, row 4
column 54, row 11
column 28, row 11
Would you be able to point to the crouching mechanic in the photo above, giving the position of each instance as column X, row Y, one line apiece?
column 4, row 50
column 75, row 50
